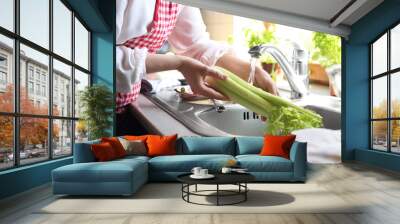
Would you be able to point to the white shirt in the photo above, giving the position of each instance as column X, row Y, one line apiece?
column 188, row 38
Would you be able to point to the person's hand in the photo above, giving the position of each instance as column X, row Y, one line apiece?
column 195, row 73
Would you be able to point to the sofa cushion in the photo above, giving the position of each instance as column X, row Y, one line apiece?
column 249, row 145
column 112, row 171
column 185, row 163
column 207, row 145
column 132, row 158
column 257, row 163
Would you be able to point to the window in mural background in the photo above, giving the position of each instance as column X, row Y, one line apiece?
column 45, row 113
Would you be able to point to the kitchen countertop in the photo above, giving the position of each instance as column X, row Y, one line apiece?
column 156, row 120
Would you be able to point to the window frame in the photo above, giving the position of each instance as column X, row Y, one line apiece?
column 388, row 74
column 16, row 115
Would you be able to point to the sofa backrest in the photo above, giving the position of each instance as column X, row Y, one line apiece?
column 206, row 145
column 190, row 146
column 249, row 145
column 83, row 152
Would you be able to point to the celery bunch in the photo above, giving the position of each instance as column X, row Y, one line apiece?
column 283, row 116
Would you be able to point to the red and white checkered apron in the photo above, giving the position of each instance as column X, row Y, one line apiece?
column 165, row 16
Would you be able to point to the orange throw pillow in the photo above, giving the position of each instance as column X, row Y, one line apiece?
column 103, row 152
column 277, row 145
column 161, row 145
column 116, row 145
column 135, row 138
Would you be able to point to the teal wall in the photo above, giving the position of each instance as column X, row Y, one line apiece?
column 103, row 51
column 99, row 16
column 355, row 85
column 103, row 63
column 24, row 178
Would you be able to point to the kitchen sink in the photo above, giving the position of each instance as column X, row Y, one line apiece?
column 237, row 120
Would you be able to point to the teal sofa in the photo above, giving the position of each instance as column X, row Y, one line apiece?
column 125, row 176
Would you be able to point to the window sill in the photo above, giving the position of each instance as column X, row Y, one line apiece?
column 30, row 166
column 382, row 159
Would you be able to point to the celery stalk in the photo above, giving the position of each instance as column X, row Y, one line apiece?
column 283, row 116
column 244, row 94
column 237, row 98
column 276, row 100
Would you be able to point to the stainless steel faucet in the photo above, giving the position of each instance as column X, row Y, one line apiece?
column 295, row 72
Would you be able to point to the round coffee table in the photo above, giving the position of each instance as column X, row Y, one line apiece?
column 238, row 179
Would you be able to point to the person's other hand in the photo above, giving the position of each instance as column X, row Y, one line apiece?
column 195, row 73
column 241, row 68
column 264, row 81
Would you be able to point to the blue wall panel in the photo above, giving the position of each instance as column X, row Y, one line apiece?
column 356, row 85
column 103, row 62
column 103, row 51
column 356, row 99
column 377, row 158
column 91, row 14
column 24, row 178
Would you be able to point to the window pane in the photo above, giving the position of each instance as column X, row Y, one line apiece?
column 6, row 74
column 34, row 97
column 81, row 81
column 379, row 97
column 395, row 94
column 62, row 29
column 33, row 139
column 81, row 131
column 35, row 21
column 395, row 47
column 7, row 14
column 379, row 135
column 6, row 142
column 395, row 136
column 62, row 89
column 379, row 55
column 81, row 45
column 62, row 138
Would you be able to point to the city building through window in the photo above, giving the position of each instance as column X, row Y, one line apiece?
column 36, row 102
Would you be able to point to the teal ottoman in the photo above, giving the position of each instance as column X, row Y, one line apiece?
column 118, row 177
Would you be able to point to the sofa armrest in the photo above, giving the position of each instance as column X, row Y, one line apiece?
column 83, row 152
column 298, row 155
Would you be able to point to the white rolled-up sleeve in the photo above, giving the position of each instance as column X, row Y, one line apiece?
column 190, row 38
column 131, row 67
column 131, row 63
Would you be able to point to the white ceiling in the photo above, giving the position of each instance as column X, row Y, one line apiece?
column 321, row 9
column 313, row 15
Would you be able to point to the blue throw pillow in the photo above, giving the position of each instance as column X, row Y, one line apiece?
column 208, row 145
column 249, row 145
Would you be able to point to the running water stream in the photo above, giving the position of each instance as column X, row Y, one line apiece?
column 253, row 63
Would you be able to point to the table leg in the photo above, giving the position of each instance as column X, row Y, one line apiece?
column 217, row 194
column 182, row 188
column 245, row 193
column 188, row 190
column 195, row 188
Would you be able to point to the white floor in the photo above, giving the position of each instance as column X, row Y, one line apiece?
column 377, row 189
